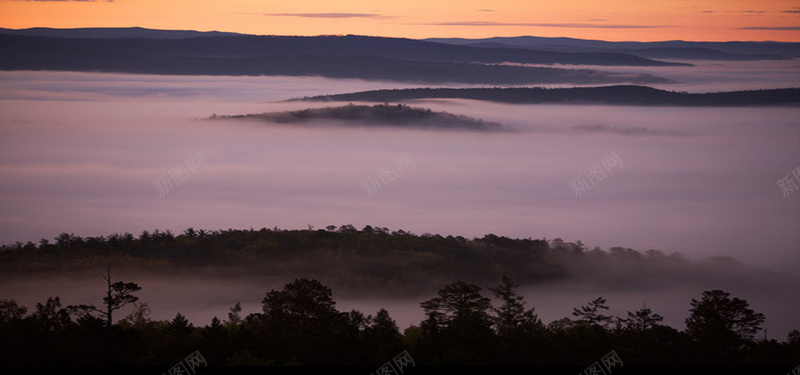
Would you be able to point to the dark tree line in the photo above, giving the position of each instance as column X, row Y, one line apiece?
column 371, row 259
column 610, row 95
column 300, row 325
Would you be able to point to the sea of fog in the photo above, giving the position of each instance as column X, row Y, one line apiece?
column 79, row 153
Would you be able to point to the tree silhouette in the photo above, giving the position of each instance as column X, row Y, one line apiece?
column 118, row 295
column 458, row 300
column 233, row 315
column 519, row 330
column 139, row 317
column 641, row 320
column 721, row 324
column 458, row 327
column 511, row 315
column 10, row 311
column 382, row 325
column 591, row 315
column 793, row 338
column 381, row 337
column 180, row 326
column 51, row 317
column 307, row 303
column 716, row 314
column 308, row 327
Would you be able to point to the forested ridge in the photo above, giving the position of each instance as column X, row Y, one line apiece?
column 610, row 95
column 369, row 58
column 371, row 258
column 465, row 324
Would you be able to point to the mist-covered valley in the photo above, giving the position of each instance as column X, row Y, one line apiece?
column 93, row 154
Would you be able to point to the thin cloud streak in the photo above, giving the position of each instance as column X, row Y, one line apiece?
column 776, row 28
column 561, row 25
column 327, row 15
column 73, row 1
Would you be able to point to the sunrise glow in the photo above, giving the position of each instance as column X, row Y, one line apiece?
column 613, row 20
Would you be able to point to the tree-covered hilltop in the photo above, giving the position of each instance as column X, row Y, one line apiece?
column 377, row 115
column 373, row 259
column 465, row 325
column 610, row 95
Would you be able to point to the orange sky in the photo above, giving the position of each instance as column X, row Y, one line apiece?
column 642, row 20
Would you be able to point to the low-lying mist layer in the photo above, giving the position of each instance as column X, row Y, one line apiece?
column 377, row 115
column 81, row 151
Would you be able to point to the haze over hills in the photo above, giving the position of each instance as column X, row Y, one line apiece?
column 174, row 42
column 192, row 53
column 187, row 52
column 674, row 49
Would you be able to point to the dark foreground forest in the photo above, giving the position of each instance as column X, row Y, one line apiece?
column 299, row 324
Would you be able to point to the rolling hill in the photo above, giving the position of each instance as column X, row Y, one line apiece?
column 373, row 58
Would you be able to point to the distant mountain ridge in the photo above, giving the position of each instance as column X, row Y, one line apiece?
column 371, row 58
column 675, row 49
column 474, row 61
column 113, row 33
column 349, row 45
